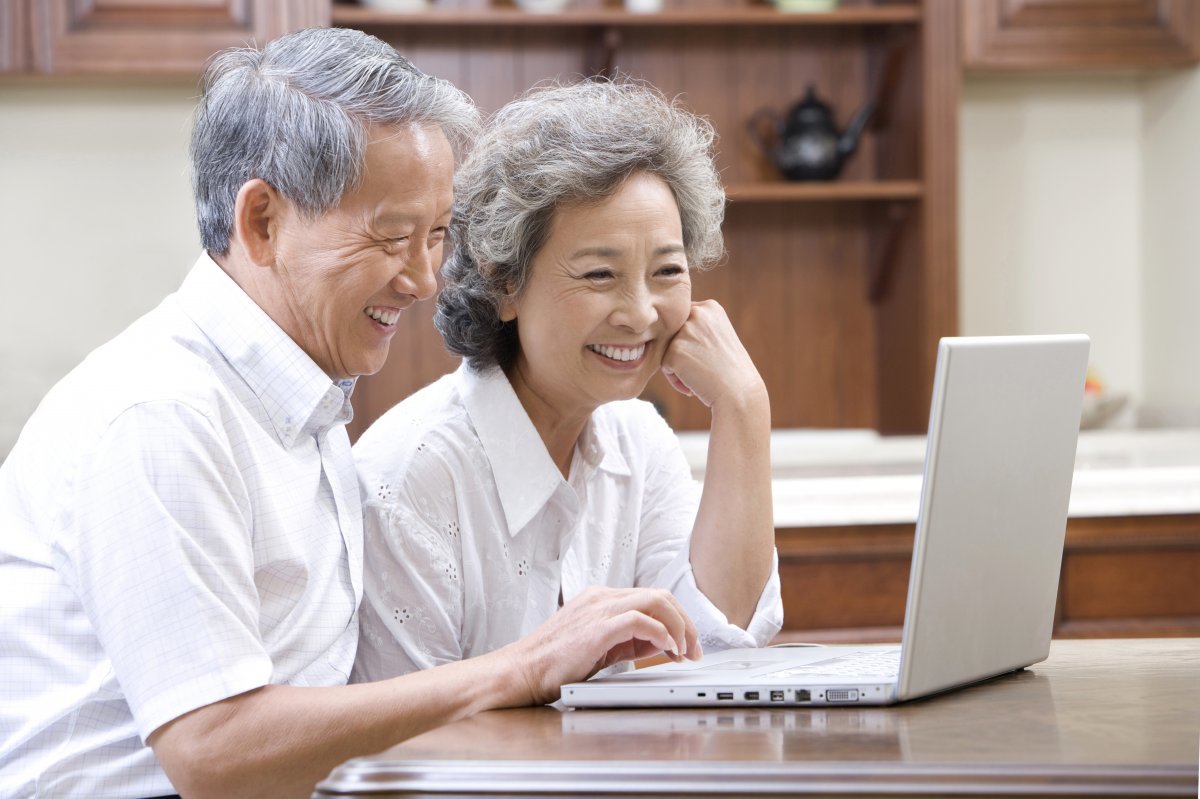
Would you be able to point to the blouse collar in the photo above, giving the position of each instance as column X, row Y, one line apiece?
column 525, row 474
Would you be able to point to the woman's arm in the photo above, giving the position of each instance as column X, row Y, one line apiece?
column 733, row 536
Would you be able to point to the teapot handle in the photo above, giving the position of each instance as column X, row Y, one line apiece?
column 764, row 127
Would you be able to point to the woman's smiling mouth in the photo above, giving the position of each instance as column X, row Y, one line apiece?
column 619, row 354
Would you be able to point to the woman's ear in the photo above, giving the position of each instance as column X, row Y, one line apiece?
column 508, row 308
column 256, row 215
column 508, row 302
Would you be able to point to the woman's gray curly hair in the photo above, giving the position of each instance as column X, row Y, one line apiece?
column 560, row 144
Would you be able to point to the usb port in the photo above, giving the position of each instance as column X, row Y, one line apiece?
column 751, row 696
column 725, row 695
column 777, row 696
column 803, row 695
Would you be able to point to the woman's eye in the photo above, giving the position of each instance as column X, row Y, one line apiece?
column 672, row 270
column 598, row 274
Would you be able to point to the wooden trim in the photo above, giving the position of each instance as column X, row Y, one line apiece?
column 1123, row 532
column 851, row 541
column 1127, row 576
column 1083, row 533
column 357, row 16
column 939, row 161
column 779, row 191
column 846, row 635
column 920, row 303
column 1171, row 627
column 1006, row 35
column 157, row 38
column 14, row 35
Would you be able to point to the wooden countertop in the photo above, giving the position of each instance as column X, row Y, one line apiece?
column 1099, row 717
column 826, row 478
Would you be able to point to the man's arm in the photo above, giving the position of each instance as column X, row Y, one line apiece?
column 280, row 740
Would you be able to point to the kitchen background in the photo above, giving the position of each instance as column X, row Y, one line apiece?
column 1079, row 211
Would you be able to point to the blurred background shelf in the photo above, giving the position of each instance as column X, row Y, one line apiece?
column 353, row 15
column 833, row 191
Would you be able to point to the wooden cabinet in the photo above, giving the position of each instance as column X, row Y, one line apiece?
column 14, row 36
column 840, row 290
column 140, row 37
column 1080, row 34
column 1128, row 576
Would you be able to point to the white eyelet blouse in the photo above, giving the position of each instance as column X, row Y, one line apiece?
column 473, row 537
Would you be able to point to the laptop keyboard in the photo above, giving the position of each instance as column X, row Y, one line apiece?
column 870, row 663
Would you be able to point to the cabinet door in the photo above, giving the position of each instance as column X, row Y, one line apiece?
column 157, row 36
column 1074, row 34
column 14, row 35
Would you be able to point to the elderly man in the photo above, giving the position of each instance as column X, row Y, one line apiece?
column 181, row 558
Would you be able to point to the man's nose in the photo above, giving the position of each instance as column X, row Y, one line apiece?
column 418, row 276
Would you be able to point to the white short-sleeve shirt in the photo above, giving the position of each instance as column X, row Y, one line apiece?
column 181, row 523
column 472, row 535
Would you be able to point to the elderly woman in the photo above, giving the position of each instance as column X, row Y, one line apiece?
column 531, row 473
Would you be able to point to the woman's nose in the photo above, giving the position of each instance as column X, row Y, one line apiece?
column 636, row 311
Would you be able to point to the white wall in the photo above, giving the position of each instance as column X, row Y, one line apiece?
column 1051, row 214
column 1080, row 210
column 1171, row 251
column 95, row 219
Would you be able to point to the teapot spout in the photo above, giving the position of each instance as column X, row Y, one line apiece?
column 848, row 141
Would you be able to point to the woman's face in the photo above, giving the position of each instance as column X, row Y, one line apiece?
column 606, row 293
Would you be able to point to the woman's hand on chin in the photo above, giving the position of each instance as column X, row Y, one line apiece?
column 707, row 360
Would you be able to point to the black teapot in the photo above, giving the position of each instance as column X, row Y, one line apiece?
column 806, row 145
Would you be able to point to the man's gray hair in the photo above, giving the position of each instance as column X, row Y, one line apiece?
column 562, row 144
column 295, row 114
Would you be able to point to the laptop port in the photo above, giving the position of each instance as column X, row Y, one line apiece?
column 725, row 695
column 777, row 696
column 842, row 695
column 751, row 696
column 803, row 695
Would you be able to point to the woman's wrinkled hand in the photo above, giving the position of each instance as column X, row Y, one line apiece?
column 707, row 360
column 599, row 628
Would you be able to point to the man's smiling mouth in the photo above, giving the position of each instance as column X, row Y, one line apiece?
column 384, row 316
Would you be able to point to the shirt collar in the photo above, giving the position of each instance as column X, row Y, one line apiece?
column 599, row 448
column 296, row 394
column 526, row 476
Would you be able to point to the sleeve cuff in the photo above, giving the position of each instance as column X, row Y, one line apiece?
column 245, row 675
column 714, row 629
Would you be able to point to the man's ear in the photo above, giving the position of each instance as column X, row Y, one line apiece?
column 256, row 216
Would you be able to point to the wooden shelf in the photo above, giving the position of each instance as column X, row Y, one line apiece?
column 780, row 191
column 878, row 247
column 358, row 16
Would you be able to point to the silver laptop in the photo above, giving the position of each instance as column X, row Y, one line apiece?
column 1003, row 426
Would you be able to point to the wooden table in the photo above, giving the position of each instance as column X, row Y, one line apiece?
column 1099, row 717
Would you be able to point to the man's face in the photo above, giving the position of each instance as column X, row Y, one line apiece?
column 342, row 280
